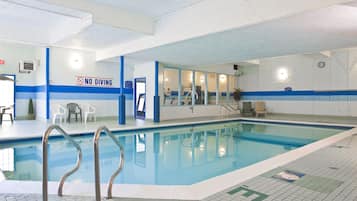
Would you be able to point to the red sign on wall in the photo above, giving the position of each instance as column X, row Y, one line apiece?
column 2, row 61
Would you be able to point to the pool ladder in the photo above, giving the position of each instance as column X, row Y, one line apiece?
column 45, row 160
column 97, row 166
column 79, row 160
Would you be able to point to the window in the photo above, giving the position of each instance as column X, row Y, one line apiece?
column 7, row 160
column 200, row 84
column 186, row 87
column 170, row 86
column 212, row 87
column 223, row 88
column 232, row 87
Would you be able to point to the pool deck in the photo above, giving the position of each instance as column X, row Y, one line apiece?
column 330, row 173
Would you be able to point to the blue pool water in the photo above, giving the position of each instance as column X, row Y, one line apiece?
column 176, row 156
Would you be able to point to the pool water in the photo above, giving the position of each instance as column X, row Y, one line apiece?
column 177, row 156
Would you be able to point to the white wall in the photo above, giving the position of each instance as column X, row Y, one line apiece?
column 63, row 71
column 12, row 54
column 339, row 74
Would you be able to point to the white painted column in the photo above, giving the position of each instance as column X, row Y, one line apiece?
column 179, row 86
column 217, row 89
column 206, row 88
column 193, row 87
column 227, row 86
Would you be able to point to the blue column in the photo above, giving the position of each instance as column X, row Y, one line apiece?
column 156, row 96
column 47, row 84
column 122, row 95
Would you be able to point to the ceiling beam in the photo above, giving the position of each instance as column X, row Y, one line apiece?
column 214, row 16
column 326, row 54
column 111, row 16
column 254, row 62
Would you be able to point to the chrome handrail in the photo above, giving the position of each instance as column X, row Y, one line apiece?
column 96, row 162
column 45, row 160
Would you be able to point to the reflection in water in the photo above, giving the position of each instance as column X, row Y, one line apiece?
column 166, row 157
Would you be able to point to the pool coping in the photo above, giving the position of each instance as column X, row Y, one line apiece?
column 195, row 191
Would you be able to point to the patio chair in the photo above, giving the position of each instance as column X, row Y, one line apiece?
column 260, row 108
column 73, row 108
column 3, row 113
column 89, row 111
column 60, row 114
column 247, row 109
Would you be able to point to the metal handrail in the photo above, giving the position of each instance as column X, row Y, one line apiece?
column 96, row 162
column 45, row 160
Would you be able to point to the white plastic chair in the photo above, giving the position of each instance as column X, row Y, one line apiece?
column 89, row 112
column 60, row 114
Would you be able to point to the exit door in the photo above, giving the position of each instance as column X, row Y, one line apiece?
column 7, row 95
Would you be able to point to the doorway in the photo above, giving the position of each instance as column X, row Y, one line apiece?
column 139, row 98
column 7, row 95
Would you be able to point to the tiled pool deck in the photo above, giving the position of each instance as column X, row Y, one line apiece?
column 328, row 174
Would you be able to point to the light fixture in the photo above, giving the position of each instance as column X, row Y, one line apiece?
column 166, row 79
column 202, row 78
column 76, row 61
column 222, row 78
column 222, row 152
column 283, row 74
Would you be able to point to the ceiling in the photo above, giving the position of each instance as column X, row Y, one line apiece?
column 33, row 23
column 152, row 8
column 98, row 36
column 324, row 29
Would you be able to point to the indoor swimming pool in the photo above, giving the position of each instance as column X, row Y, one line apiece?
column 167, row 156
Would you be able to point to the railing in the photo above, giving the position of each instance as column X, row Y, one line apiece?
column 96, row 162
column 45, row 161
column 228, row 108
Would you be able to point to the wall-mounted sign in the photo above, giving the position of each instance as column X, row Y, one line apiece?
column 2, row 61
column 94, row 81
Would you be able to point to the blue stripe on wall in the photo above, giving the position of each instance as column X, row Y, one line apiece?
column 72, row 92
column 77, row 89
column 33, row 89
column 88, row 96
column 307, row 95
column 71, row 89
column 301, row 93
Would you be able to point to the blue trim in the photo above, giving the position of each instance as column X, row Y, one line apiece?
column 156, row 96
column 121, row 99
column 97, row 90
column 28, row 89
column 121, row 75
column 71, row 89
column 156, row 109
column 300, row 93
column 47, row 90
column 121, row 114
column 156, row 78
column 87, row 96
